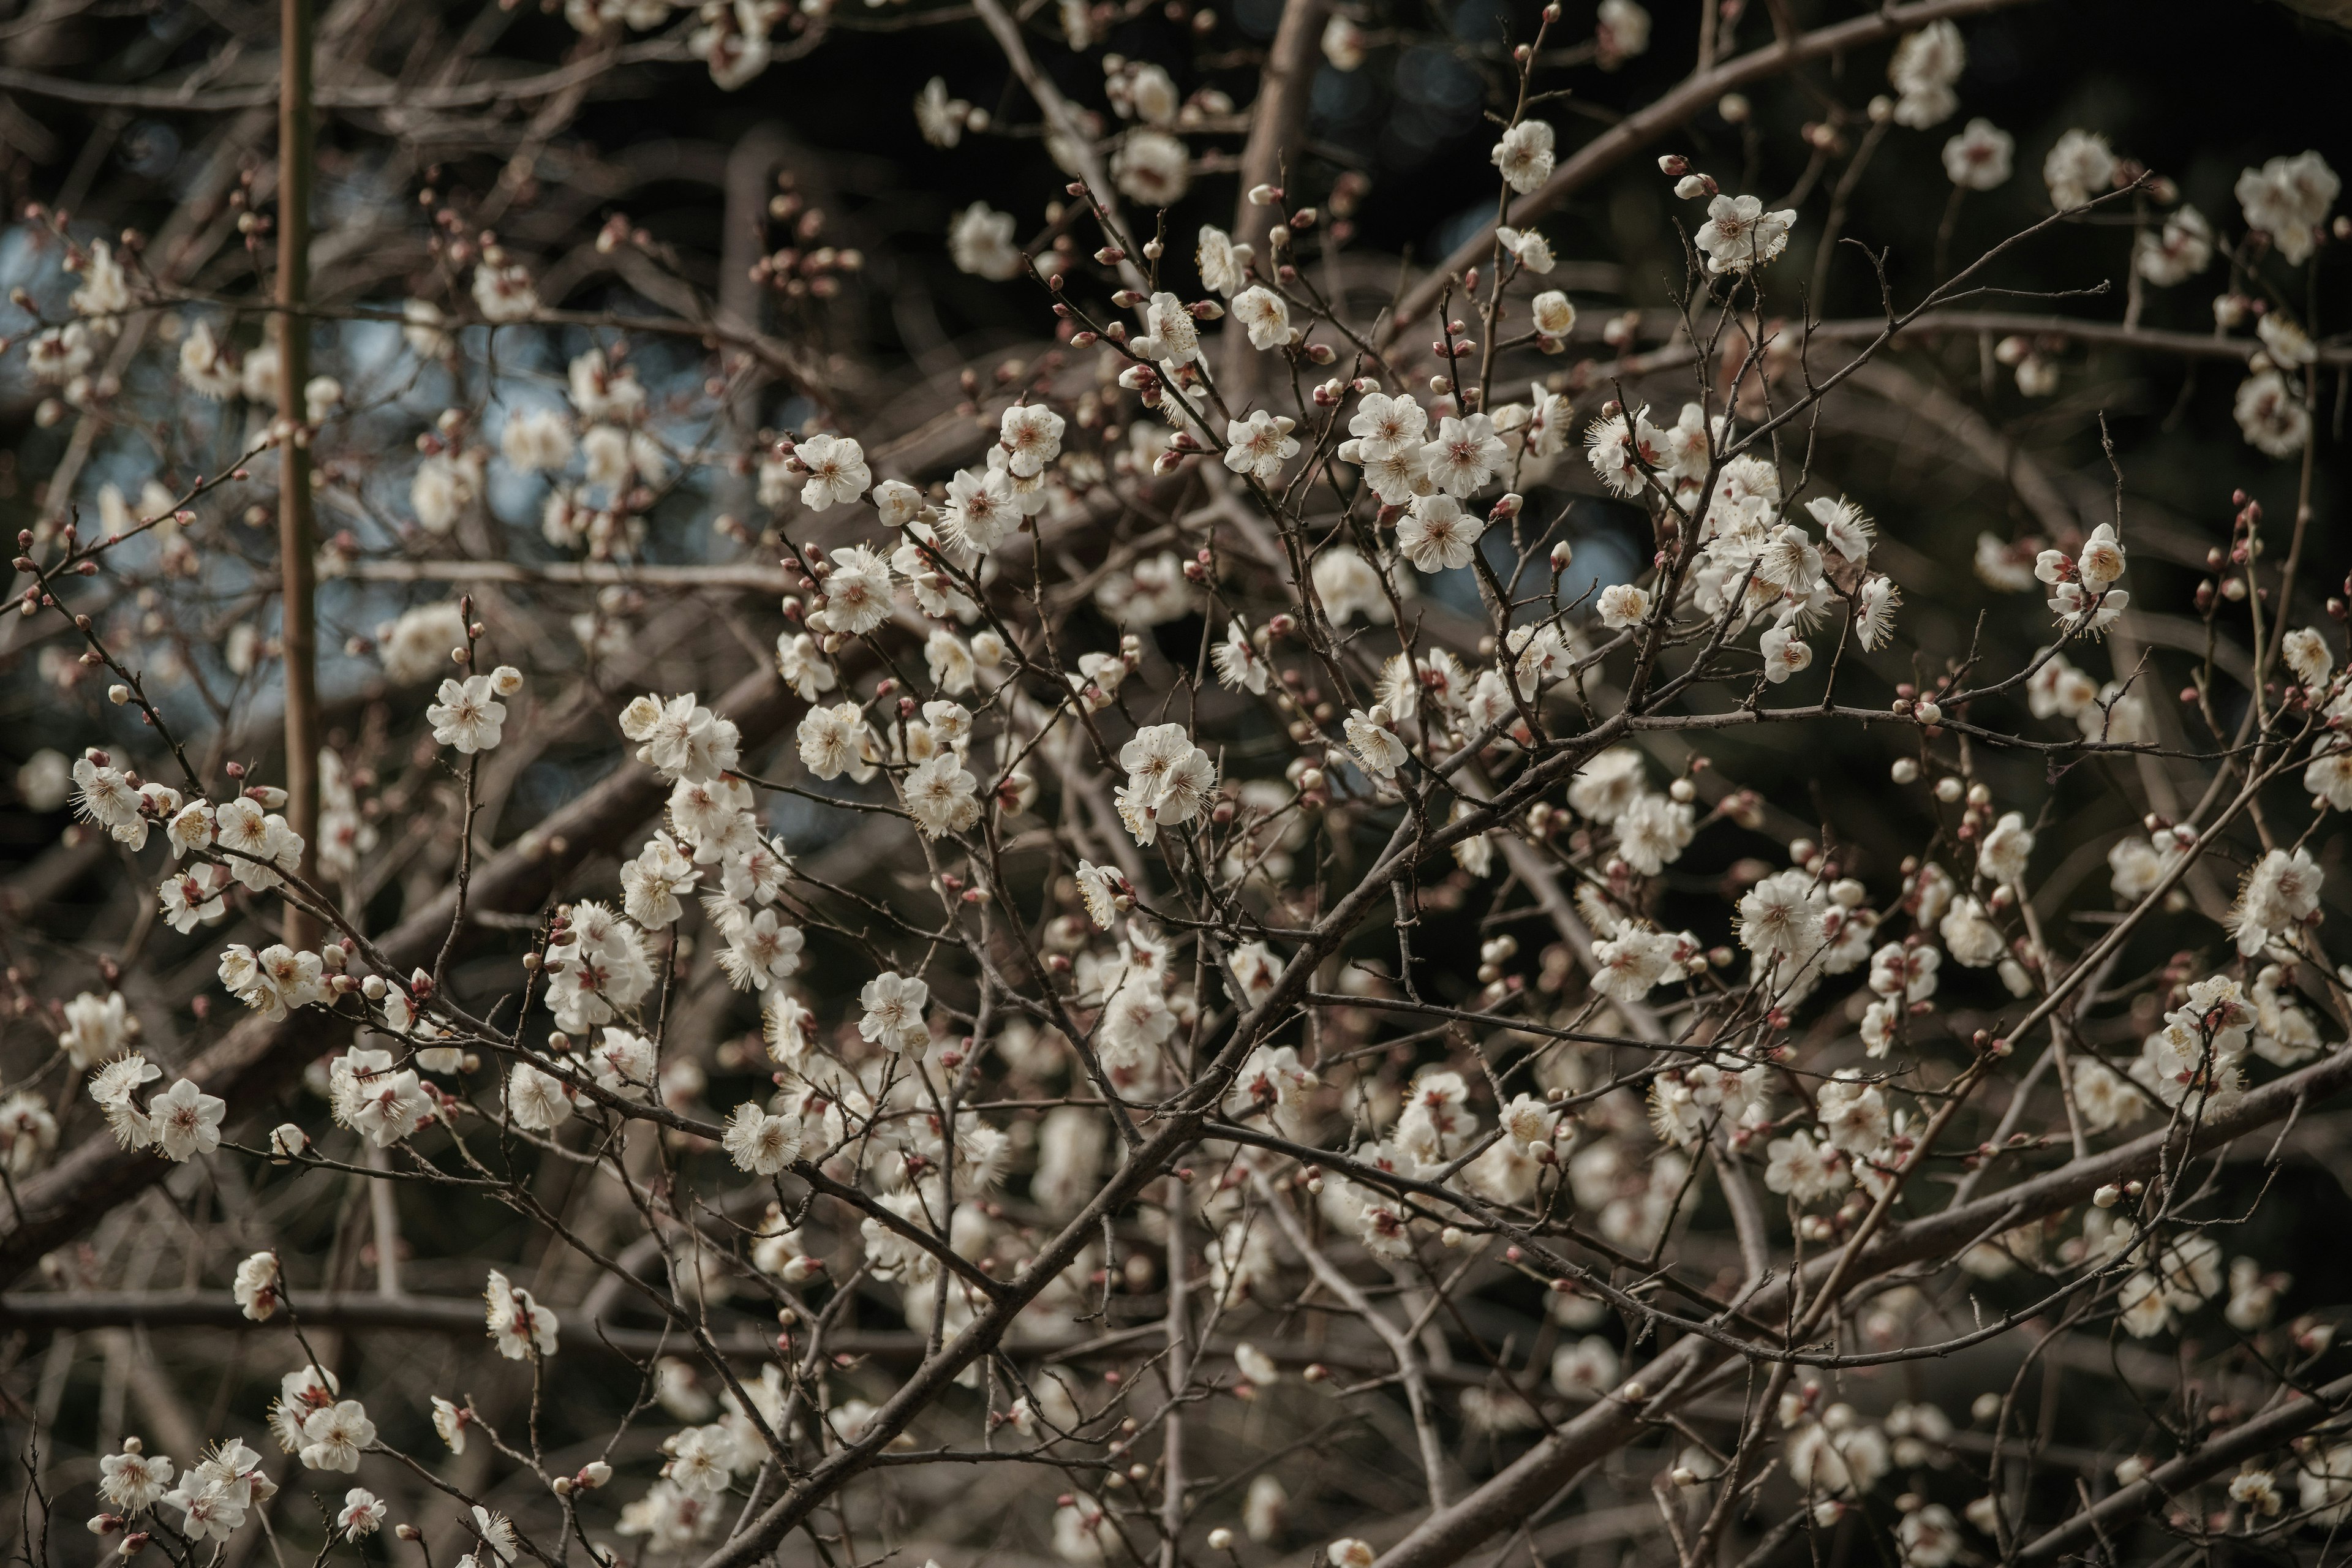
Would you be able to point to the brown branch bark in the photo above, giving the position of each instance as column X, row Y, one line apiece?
column 1696, row 93
column 254, row 1060
column 1277, row 130
column 1691, row 1367
column 297, row 557
column 2294, row 1415
column 375, row 95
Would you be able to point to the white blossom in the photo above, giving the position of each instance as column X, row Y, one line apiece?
column 1525, row 155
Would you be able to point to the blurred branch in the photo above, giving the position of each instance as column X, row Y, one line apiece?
column 1679, row 352
column 254, row 1058
column 296, row 549
column 385, row 95
column 746, row 576
column 1277, row 130
column 1063, row 117
column 2294, row 1413
column 1696, row 94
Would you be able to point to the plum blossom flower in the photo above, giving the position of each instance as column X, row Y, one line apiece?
column 1239, row 664
column 96, row 1030
column 518, row 1324
column 1466, row 455
column 538, row 1101
column 1804, row 1171
column 1622, row 606
column 1382, row 423
column 468, row 715
column 186, row 1121
column 2077, row 168
column 1376, row 745
column 1262, row 314
column 1152, row 168
column 1925, row 65
column 760, row 950
column 2288, row 198
column 1554, row 314
column 979, row 241
column 362, row 1513
column 893, row 1004
column 2001, row 856
column 503, row 290
column 1525, row 155
column 1981, row 157
column 856, row 592
column 1873, row 611
column 1779, row 916
column 1437, row 535
column 680, row 739
column 2272, row 416
column 334, row 1437
column 1530, row 250
column 761, row 1143
column 256, row 1286
column 1259, row 445
column 837, row 473
column 1741, row 236
column 1224, row 265
column 940, row 797
column 133, row 1480
column 2176, row 250
column 2280, row 893
column 831, row 739
column 1785, row 653
column 1031, row 436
